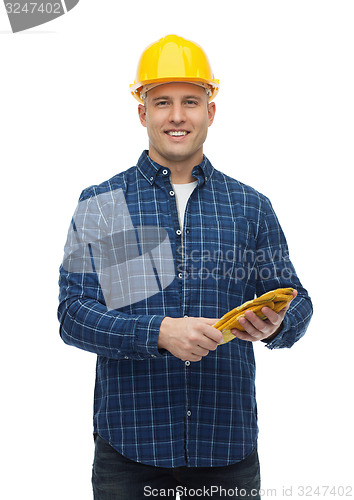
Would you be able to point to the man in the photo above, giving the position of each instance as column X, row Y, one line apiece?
column 155, row 256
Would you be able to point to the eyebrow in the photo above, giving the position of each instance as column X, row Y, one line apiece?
column 184, row 97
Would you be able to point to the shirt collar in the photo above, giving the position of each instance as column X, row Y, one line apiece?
column 151, row 170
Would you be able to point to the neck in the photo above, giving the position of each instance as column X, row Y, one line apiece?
column 181, row 171
column 182, row 175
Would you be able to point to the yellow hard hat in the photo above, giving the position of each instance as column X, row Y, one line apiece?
column 174, row 59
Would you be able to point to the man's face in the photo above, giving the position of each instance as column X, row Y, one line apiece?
column 177, row 117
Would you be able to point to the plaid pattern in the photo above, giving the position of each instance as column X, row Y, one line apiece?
column 150, row 406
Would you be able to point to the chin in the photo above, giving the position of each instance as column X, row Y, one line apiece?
column 177, row 157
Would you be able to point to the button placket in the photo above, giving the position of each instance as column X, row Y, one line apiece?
column 177, row 229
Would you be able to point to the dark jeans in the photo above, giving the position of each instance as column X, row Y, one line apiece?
column 115, row 477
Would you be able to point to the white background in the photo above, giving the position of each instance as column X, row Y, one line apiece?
column 284, row 125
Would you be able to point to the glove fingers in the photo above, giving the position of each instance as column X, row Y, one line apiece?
column 274, row 299
column 233, row 322
column 280, row 305
column 283, row 298
column 227, row 336
column 284, row 291
column 258, row 301
column 229, row 314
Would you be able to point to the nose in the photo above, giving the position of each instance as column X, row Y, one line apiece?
column 177, row 113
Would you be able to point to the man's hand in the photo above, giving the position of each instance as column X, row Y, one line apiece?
column 189, row 338
column 258, row 329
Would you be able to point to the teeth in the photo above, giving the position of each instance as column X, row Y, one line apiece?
column 177, row 133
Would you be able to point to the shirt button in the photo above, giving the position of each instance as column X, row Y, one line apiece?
column 151, row 178
column 172, row 193
column 180, row 275
column 187, row 231
column 186, row 316
column 187, row 363
column 178, row 232
column 189, row 413
column 165, row 172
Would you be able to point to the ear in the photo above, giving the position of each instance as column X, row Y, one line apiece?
column 142, row 114
column 211, row 112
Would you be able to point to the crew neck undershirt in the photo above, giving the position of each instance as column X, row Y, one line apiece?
column 182, row 193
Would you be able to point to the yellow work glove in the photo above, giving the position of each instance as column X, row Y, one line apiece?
column 275, row 299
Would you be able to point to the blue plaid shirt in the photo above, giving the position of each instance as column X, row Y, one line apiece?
column 150, row 406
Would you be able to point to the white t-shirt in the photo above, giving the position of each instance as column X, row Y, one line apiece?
column 182, row 193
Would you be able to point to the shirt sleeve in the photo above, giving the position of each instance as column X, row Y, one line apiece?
column 85, row 320
column 86, row 323
column 275, row 270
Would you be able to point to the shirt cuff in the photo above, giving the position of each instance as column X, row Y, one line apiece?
column 278, row 341
column 146, row 335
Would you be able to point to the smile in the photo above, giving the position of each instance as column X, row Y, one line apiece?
column 176, row 133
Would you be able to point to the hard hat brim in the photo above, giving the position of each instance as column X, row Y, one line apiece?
column 136, row 88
